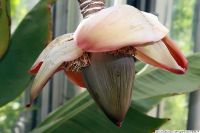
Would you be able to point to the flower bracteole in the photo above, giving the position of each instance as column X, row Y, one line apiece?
column 52, row 59
column 99, row 56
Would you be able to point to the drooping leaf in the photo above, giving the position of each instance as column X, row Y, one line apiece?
column 145, row 105
column 26, row 43
column 157, row 82
column 82, row 115
column 154, row 84
column 4, row 26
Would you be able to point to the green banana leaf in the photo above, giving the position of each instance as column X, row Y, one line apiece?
column 81, row 115
column 159, row 88
column 146, row 105
column 157, row 82
column 4, row 26
column 154, row 84
column 26, row 43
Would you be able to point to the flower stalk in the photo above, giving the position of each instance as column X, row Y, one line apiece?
column 89, row 7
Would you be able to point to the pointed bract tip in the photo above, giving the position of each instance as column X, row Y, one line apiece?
column 178, row 71
column 28, row 105
column 119, row 124
column 183, row 71
column 186, row 65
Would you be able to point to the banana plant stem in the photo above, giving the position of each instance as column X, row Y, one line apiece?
column 89, row 7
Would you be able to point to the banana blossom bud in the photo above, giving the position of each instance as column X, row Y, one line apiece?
column 108, row 77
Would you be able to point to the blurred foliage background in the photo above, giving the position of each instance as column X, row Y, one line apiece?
column 181, row 25
column 181, row 32
column 9, row 114
column 176, row 107
column 19, row 8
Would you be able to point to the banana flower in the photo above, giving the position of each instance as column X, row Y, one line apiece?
column 122, row 30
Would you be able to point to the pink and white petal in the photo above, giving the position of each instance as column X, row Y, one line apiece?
column 56, row 42
column 159, row 55
column 68, row 51
column 160, row 28
column 116, row 27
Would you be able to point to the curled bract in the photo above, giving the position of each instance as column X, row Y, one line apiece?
column 52, row 59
